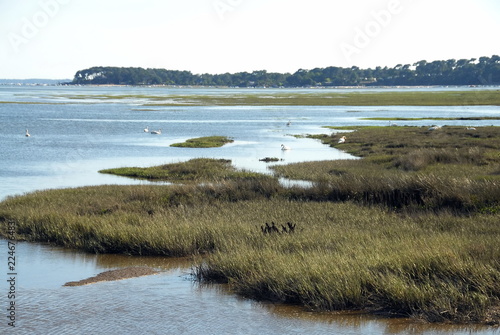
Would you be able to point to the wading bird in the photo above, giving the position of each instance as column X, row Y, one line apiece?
column 342, row 139
column 27, row 133
column 146, row 130
column 284, row 147
column 156, row 132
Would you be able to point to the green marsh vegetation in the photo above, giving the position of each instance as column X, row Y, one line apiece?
column 434, row 255
column 194, row 170
column 321, row 98
column 451, row 168
column 317, row 98
column 204, row 142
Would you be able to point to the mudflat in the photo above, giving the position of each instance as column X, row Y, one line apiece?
column 119, row 274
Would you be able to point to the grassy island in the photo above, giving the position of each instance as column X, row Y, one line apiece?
column 204, row 142
column 411, row 229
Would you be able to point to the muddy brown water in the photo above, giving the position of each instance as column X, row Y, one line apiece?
column 169, row 302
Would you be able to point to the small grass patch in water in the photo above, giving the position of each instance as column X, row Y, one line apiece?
column 204, row 142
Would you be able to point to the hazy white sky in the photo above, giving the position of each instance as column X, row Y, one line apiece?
column 56, row 38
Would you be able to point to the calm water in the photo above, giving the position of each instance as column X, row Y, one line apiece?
column 73, row 137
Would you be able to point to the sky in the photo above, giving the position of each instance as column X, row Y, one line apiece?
column 54, row 39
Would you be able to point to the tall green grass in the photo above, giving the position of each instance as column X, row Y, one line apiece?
column 341, row 255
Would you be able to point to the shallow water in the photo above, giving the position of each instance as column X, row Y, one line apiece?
column 71, row 139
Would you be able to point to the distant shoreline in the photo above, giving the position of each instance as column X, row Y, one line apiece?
column 361, row 87
column 345, row 96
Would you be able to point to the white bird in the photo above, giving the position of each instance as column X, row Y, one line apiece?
column 434, row 128
column 284, row 147
column 392, row 124
column 27, row 133
column 146, row 130
column 156, row 132
column 342, row 139
column 471, row 128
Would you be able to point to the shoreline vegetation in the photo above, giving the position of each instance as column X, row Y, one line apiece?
column 409, row 230
column 319, row 98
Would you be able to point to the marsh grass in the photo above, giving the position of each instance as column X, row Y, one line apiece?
column 341, row 256
column 194, row 170
column 430, row 259
column 204, row 142
column 411, row 168
column 319, row 98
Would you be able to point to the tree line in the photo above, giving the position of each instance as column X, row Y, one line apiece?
column 482, row 71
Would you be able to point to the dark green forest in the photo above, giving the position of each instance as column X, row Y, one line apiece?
column 482, row 71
